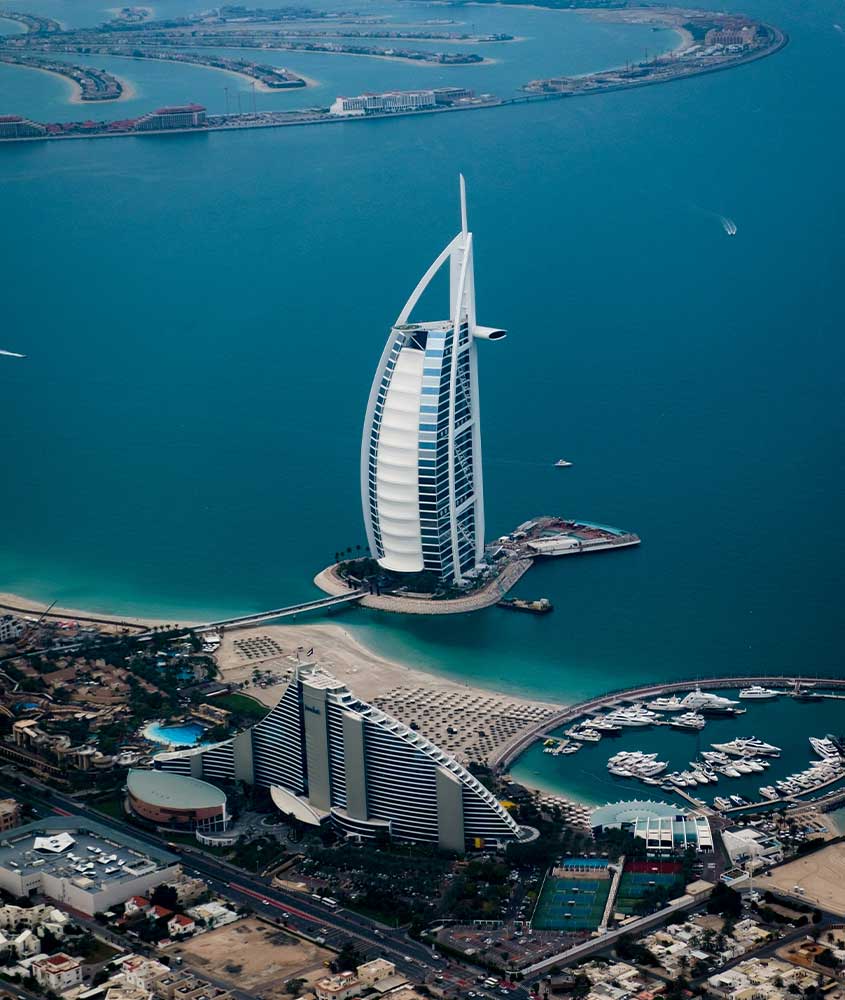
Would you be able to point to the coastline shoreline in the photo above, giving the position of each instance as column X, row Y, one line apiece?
column 128, row 91
column 342, row 652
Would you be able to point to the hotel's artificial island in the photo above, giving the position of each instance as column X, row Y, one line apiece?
column 422, row 484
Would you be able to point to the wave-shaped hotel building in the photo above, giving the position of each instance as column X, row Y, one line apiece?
column 421, row 481
column 327, row 756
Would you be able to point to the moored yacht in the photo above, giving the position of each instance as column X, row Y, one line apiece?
column 758, row 693
column 699, row 699
column 663, row 704
column 633, row 716
column 602, row 725
column 688, row 720
column 748, row 747
column 825, row 748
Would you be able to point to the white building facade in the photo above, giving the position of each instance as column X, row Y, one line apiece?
column 391, row 101
column 422, row 490
column 326, row 755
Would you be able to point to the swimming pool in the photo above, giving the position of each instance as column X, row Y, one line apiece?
column 184, row 735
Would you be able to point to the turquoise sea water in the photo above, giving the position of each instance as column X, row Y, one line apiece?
column 202, row 317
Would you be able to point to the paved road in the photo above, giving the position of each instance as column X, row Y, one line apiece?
column 299, row 913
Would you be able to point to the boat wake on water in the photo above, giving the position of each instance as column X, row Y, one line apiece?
column 12, row 354
column 728, row 225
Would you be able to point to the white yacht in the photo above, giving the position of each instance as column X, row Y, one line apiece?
column 706, row 699
column 722, row 803
column 748, row 747
column 603, row 726
column 688, row 720
column 758, row 693
column 825, row 748
column 631, row 717
column 590, row 735
column 768, row 792
column 663, row 704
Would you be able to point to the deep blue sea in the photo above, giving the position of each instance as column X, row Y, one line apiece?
column 203, row 314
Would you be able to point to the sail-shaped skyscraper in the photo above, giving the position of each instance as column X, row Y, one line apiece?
column 422, row 489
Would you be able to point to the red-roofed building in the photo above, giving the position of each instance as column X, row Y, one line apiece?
column 158, row 912
column 136, row 904
column 57, row 972
column 179, row 925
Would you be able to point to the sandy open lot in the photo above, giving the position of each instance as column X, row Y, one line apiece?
column 253, row 957
column 821, row 876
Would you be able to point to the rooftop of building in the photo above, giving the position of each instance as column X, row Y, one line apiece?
column 173, row 791
column 60, row 962
column 177, row 109
column 631, row 810
column 80, row 850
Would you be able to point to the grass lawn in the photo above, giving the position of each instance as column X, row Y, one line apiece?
column 241, row 704
column 112, row 806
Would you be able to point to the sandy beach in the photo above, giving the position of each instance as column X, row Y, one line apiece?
column 75, row 90
column 26, row 605
column 468, row 721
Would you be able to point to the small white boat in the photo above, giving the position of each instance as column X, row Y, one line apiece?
column 758, row 693
column 561, row 463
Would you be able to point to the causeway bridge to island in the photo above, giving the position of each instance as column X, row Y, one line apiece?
column 321, row 604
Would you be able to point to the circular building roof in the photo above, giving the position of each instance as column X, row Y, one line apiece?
column 173, row 791
column 615, row 813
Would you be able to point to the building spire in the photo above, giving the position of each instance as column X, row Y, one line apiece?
column 463, row 204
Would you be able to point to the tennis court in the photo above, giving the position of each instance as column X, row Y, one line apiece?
column 634, row 885
column 575, row 904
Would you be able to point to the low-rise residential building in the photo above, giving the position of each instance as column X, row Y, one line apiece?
column 188, row 890
column 143, row 972
column 213, row 914
column 339, row 987
column 14, row 917
column 761, row 979
column 26, row 944
column 10, row 814
column 57, row 972
column 13, row 126
column 180, row 925
column 136, row 904
column 373, row 972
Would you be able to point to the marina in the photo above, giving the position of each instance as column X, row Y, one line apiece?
column 777, row 749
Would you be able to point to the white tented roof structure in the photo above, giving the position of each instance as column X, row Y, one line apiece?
column 55, row 844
